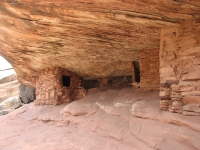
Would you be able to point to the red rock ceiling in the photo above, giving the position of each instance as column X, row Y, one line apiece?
column 93, row 38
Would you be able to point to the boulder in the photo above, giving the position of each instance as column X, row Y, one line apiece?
column 191, row 109
column 10, row 104
column 27, row 93
column 9, row 89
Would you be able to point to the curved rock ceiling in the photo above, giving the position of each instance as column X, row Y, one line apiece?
column 93, row 38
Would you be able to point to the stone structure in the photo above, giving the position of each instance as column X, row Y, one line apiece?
column 99, row 40
column 56, row 86
column 179, row 67
column 149, row 70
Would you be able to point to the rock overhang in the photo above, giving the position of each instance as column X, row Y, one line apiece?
column 91, row 38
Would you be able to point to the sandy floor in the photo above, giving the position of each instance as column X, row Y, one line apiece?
column 118, row 119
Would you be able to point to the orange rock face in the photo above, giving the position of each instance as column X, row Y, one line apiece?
column 102, row 39
column 91, row 38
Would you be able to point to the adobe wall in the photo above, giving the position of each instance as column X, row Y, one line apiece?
column 180, row 68
column 149, row 70
column 50, row 90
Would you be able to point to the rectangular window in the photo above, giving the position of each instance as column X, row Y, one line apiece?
column 66, row 81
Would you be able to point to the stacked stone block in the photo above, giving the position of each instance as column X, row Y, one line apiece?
column 179, row 68
column 149, row 70
column 50, row 90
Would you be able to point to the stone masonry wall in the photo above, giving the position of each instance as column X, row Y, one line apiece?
column 180, row 68
column 49, row 88
column 50, row 91
column 149, row 70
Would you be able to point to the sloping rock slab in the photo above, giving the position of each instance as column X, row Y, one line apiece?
column 122, row 122
column 7, row 76
column 10, row 104
column 8, row 90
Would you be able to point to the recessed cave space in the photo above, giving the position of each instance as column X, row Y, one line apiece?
column 66, row 81
column 137, row 71
column 88, row 84
column 122, row 81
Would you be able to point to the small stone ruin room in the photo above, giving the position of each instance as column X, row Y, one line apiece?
column 160, row 50
column 120, row 74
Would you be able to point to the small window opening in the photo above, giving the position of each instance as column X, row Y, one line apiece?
column 137, row 71
column 66, row 81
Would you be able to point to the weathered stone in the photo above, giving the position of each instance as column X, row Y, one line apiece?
column 191, row 113
column 164, row 104
column 99, row 34
column 184, row 72
column 167, row 71
column 191, row 76
column 10, row 103
column 191, row 100
column 5, row 112
column 120, row 119
column 149, row 70
column 9, row 89
column 26, row 93
column 100, row 40
column 192, row 108
column 64, row 86
column 190, row 93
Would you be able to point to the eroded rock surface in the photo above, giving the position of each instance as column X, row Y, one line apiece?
column 90, row 38
column 26, row 93
column 105, row 119
column 8, row 90
column 10, row 104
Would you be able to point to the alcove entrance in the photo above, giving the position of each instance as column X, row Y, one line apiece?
column 66, row 81
column 136, row 71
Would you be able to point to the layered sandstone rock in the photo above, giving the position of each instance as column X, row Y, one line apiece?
column 108, row 119
column 102, row 39
column 8, row 90
column 91, row 38
column 179, row 56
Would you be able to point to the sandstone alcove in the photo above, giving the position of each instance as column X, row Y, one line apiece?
column 104, row 39
column 123, row 74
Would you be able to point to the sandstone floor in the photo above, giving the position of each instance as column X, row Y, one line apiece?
column 106, row 119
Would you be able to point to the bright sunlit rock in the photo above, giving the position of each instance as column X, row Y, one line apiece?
column 4, row 64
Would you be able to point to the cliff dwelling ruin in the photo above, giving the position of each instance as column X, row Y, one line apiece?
column 63, row 48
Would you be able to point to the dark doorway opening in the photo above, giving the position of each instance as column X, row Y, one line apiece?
column 66, row 81
column 88, row 84
column 137, row 71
